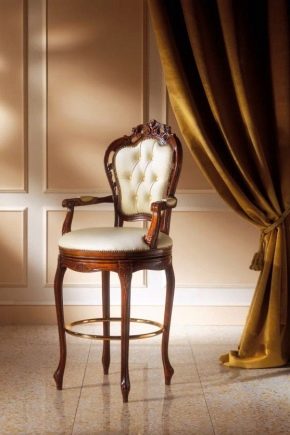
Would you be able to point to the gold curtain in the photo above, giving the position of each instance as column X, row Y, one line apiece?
column 226, row 66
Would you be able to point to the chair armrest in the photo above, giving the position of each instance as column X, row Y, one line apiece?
column 71, row 203
column 85, row 200
column 157, row 209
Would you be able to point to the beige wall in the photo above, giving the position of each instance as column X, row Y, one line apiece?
column 191, row 176
column 93, row 74
column 13, row 242
column 13, row 121
column 213, row 249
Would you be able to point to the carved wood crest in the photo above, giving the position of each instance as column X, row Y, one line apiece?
column 155, row 129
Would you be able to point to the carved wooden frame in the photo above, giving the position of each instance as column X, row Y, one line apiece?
column 124, row 263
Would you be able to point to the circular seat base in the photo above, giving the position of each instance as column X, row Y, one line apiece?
column 69, row 328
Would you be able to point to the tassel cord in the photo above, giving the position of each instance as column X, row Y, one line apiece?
column 258, row 258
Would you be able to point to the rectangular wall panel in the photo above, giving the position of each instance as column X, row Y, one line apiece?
column 13, row 110
column 82, row 219
column 213, row 249
column 95, row 86
column 13, row 240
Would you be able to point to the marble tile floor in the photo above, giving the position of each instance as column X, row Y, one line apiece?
column 204, row 398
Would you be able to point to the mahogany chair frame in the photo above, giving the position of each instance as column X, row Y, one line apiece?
column 123, row 263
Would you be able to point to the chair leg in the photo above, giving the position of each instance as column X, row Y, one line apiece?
column 58, row 375
column 106, row 315
column 170, row 284
column 125, row 275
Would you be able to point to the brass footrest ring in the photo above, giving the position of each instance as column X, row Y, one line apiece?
column 69, row 329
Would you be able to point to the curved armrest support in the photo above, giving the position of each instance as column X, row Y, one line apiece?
column 71, row 203
column 157, row 209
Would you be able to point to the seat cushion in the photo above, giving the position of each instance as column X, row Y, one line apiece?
column 111, row 239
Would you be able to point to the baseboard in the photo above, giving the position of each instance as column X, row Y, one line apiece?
column 182, row 315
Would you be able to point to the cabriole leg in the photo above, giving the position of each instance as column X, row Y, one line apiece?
column 125, row 276
column 60, row 271
column 106, row 315
column 170, row 284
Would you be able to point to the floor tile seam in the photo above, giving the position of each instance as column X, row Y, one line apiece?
column 81, row 389
column 211, row 417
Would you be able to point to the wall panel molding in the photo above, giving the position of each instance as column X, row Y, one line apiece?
column 189, row 297
column 186, row 315
column 145, row 62
column 10, row 253
column 13, row 95
column 61, row 151
column 208, row 251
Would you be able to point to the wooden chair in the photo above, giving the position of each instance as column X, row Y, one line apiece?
column 143, row 170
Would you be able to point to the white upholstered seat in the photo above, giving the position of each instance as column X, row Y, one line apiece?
column 111, row 239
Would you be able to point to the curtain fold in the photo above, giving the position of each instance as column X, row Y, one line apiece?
column 226, row 67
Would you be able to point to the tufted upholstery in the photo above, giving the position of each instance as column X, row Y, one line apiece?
column 110, row 239
column 142, row 172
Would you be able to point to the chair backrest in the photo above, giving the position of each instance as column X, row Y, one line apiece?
column 143, row 168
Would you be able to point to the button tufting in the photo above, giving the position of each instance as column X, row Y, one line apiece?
column 141, row 170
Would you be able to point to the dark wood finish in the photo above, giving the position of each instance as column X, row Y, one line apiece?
column 71, row 203
column 125, row 275
column 124, row 263
column 106, row 315
column 170, row 285
column 157, row 208
column 60, row 271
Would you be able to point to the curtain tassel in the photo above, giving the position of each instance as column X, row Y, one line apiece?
column 258, row 258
